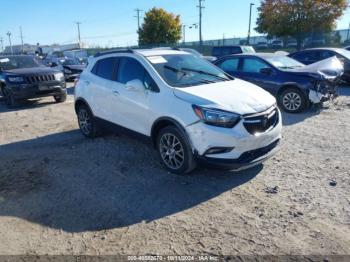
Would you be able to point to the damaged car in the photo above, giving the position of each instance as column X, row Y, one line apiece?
column 71, row 68
column 295, row 85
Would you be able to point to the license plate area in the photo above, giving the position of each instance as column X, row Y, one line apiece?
column 44, row 88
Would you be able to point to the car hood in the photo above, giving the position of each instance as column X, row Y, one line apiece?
column 32, row 71
column 328, row 69
column 235, row 96
column 75, row 67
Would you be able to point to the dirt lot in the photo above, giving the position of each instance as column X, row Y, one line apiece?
column 63, row 194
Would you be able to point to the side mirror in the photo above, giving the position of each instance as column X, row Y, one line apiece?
column 135, row 85
column 266, row 71
column 53, row 64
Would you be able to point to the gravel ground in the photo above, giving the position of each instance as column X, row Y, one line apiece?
column 63, row 194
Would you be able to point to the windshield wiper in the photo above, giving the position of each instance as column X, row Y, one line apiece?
column 175, row 70
column 289, row 67
column 205, row 73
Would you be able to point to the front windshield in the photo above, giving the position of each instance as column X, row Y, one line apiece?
column 284, row 62
column 192, row 51
column 17, row 62
column 184, row 70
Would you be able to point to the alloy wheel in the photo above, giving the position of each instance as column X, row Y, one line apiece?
column 84, row 121
column 292, row 101
column 172, row 151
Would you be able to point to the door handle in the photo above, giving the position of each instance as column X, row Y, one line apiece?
column 115, row 92
column 87, row 82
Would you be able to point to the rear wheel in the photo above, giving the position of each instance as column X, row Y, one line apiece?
column 293, row 100
column 174, row 150
column 87, row 122
column 60, row 98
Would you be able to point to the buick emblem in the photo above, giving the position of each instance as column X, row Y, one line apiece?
column 264, row 121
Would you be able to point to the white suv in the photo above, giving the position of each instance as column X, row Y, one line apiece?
column 190, row 109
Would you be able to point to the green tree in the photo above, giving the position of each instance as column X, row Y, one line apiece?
column 160, row 27
column 297, row 18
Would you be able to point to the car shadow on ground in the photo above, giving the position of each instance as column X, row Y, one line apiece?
column 289, row 119
column 67, row 182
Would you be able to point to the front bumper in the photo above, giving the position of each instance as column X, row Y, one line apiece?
column 246, row 160
column 27, row 91
column 246, row 150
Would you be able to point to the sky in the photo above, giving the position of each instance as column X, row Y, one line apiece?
column 112, row 23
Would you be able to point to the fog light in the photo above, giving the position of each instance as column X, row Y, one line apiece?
column 218, row 150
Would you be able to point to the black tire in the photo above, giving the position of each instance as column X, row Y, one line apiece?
column 87, row 122
column 292, row 100
column 60, row 98
column 179, row 165
column 10, row 101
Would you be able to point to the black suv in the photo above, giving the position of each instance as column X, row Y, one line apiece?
column 24, row 77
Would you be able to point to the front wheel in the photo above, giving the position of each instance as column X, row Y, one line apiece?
column 9, row 98
column 174, row 150
column 293, row 100
column 60, row 98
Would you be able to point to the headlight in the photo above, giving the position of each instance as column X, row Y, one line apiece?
column 16, row 79
column 67, row 71
column 217, row 117
column 59, row 76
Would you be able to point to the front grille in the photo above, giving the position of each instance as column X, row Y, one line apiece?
column 40, row 78
column 262, row 122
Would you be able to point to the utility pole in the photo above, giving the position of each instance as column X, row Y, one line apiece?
column 79, row 39
column 20, row 30
column 250, row 22
column 184, row 33
column 9, row 35
column 200, row 7
column 138, row 11
column 2, row 43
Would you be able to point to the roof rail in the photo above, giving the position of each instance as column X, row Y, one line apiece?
column 168, row 48
column 114, row 52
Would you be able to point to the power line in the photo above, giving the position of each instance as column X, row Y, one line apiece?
column 200, row 7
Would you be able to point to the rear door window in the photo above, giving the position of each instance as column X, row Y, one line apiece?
column 105, row 68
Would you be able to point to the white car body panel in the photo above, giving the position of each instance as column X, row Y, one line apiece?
column 139, row 110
